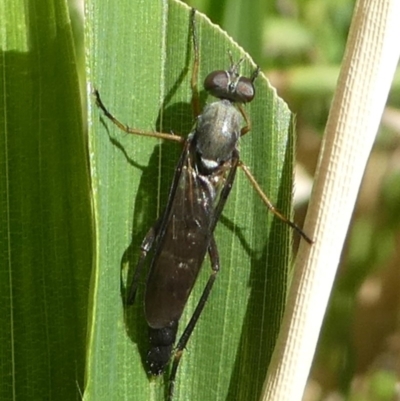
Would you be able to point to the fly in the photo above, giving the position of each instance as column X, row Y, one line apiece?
column 184, row 234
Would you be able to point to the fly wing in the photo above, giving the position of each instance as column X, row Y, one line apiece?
column 182, row 243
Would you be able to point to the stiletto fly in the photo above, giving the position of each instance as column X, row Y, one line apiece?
column 185, row 232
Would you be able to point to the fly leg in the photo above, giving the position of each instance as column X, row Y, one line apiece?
column 247, row 126
column 215, row 266
column 127, row 129
column 145, row 247
column 195, row 70
column 269, row 204
column 226, row 189
column 238, row 163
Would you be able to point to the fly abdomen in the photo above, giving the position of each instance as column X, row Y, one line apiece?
column 161, row 344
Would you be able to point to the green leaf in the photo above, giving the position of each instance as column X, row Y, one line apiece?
column 140, row 60
column 45, row 214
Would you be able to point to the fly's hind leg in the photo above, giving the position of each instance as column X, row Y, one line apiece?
column 215, row 266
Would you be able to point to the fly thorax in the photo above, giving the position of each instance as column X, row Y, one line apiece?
column 217, row 133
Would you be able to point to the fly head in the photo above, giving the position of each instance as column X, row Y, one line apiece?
column 230, row 84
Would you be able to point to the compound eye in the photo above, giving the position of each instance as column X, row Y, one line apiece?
column 216, row 83
column 245, row 90
column 225, row 85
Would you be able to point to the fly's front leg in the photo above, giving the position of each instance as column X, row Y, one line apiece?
column 145, row 247
column 247, row 126
column 214, row 258
column 127, row 129
column 195, row 69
